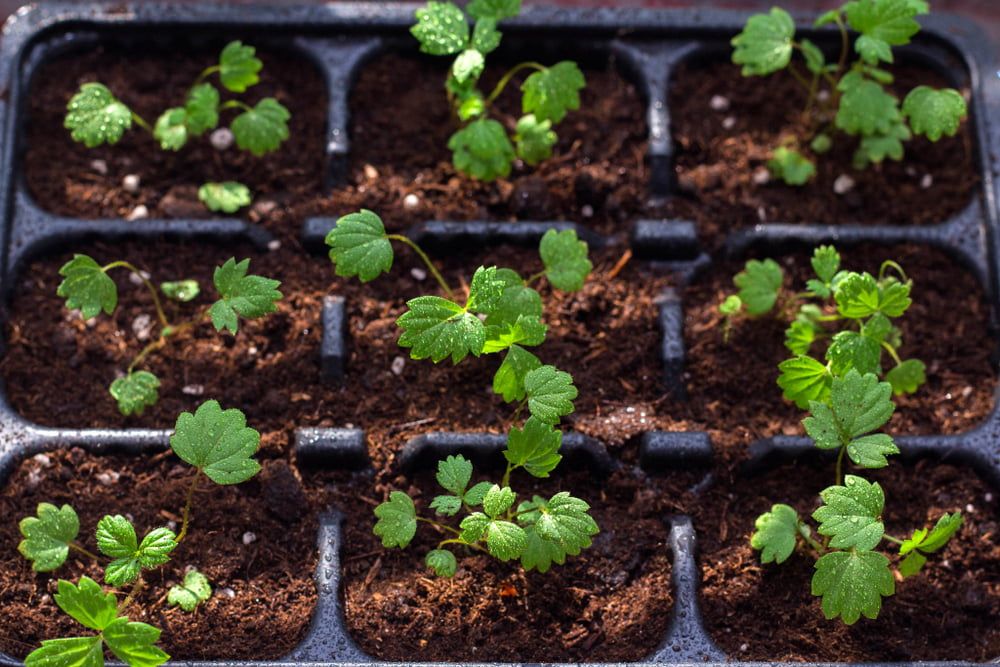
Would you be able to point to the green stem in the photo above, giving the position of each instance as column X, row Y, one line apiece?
column 840, row 466
column 145, row 281
column 892, row 352
column 811, row 541
column 534, row 277
column 136, row 587
column 890, row 538
column 794, row 71
column 235, row 104
column 889, row 264
column 186, row 519
column 141, row 122
column 507, row 77
column 458, row 540
column 439, row 525
column 205, row 73
column 80, row 550
column 427, row 261
column 505, row 480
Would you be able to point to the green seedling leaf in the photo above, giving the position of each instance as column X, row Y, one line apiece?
column 446, row 505
column 134, row 643
column 442, row 562
column 474, row 496
column 550, row 93
column 775, row 534
column 181, row 290
column 799, row 337
column 875, row 148
column 87, row 603
column 504, row 540
column 261, row 129
column 94, row 116
column 485, row 290
column 852, row 583
column 550, row 393
column 534, row 448
column 468, row 66
column 482, row 150
column 825, row 262
column 803, row 379
column 191, row 593
column 509, row 378
column 116, row 538
column 815, row 60
column 493, row 9
column 932, row 541
column 238, row 66
column 498, row 499
column 851, row 349
column 47, row 537
column 135, row 392
column 865, row 106
column 87, row 288
column 437, row 328
column 454, row 474
column 731, row 305
column 242, row 295
column 202, row 109
column 359, row 246
column 759, row 284
column 228, row 196
column 852, row 514
column 912, row 564
column 555, row 529
column 534, row 139
column 791, row 166
column 907, row 377
column 934, row 113
column 765, row 44
column 528, row 331
column 68, row 652
column 171, row 129
column 859, row 295
column 539, row 553
column 859, row 404
column 397, row 520
column 485, row 36
column 565, row 259
column 217, row 442
column 882, row 24
column 441, row 29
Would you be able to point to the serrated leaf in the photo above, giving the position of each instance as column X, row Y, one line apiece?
column 775, row 534
column 869, row 451
column 534, row 139
column 791, row 166
column 860, row 295
column 535, row 447
column 193, row 591
column 799, row 337
column 485, row 36
column 442, row 562
column 851, row 514
column 912, row 564
column 759, row 284
column 859, row 404
column 825, row 262
column 48, row 535
column 882, row 24
column 474, row 496
column 238, row 66
column 397, row 520
column 550, row 393
column 565, row 259
column 850, row 349
column 87, row 288
column 509, row 378
column 873, row 50
column 731, row 305
column 454, row 474
column 539, row 553
column 94, row 116
column 135, row 392
column 551, row 93
column 441, row 29
column 446, row 505
column 243, row 295
column 875, row 148
column 934, row 113
column 217, row 442
column 359, row 246
column 528, row 331
column 765, row 43
column 228, row 196
column 493, row 9
column 498, row 500
column 865, row 106
column 116, row 538
column 202, row 109
column 505, row 540
column 181, row 290
column 485, row 290
column 852, row 583
column 803, row 379
column 68, row 652
column 171, row 129
column 565, row 522
column 815, row 61
column 437, row 328
column 468, row 66
column 134, row 643
column 934, row 540
column 261, row 129
column 87, row 603
column 907, row 377
column 482, row 150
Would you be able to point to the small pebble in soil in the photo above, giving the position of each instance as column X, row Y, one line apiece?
column 100, row 166
column 823, row 95
column 761, row 176
column 398, row 364
column 249, row 538
column 587, row 211
column 131, row 183
column 34, row 479
column 107, row 478
column 418, row 274
column 228, row 592
column 42, row 460
column 843, row 184
column 274, row 245
column 926, row 182
column 221, row 138
column 744, row 647
column 988, row 497
column 263, row 208
column 137, row 278
column 970, row 509
column 193, row 389
column 719, row 103
column 729, row 122
column 142, row 326
column 172, row 525
column 761, row 214
column 411, row 201
column 252, row 350
column 371, row 173
column 138, row 213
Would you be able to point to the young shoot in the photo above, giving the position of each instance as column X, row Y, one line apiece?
column 848, row 95
column 482, row 147
column 500, row 313
column 87, row 287
column 219, row 446
column 94, row 116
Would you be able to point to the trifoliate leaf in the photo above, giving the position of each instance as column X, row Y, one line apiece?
column 759, row 284
column 815, row 61
column 865, row 106
column 485, row 36
column 191, row 593
column 882, row 23
column 468, row 65
column 498, row 499
column 550, row 393
column 202, row 109
column 791, row 166
column 493, row 9
column 765, row 44
column 454, row 474
column 803, row 379
column 482, row 150
column 509, row 378
column 534, row 139
column 565, row 259
column 825, row 262
column 94, row 116
column 134, row 643
column 852, row 514
column 539, row 553
column 850, row 349
column 437, row 328
column 550, row 93
column 535, row 447
column 47, row 537
column 474, row 496
column 731, row 305
column 87, row 603
column 934, row 113
column 441, row 29
column 121, row 571
column 68, row 652
column 775, row 534
column 181, row 290
column 528, row 331
column 116, row 538
column 87, row 288
column 238, row 66
column 505, row 540
column 873, row 50
column 217, row 442
column 261, row 129
column 485, row 290
column 228, row 196
column 907, row 377
column 397, row 520
column 799, row 337
column 446, row 505
column 171, row 129
column 860, row 295
column 852, row 583
column 875, row 148
column 934, row 540
column 565, row 522
column 359, row 246
column 442, row 562
column 135, row 392
column 242, row 295
column 859, row 404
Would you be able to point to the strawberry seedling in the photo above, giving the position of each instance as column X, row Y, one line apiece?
column 482, row 147
column 848, row 95
column 87, row 287
column 502, row 312
column 219, row 446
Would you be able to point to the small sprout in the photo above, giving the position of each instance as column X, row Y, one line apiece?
column 239, row 66
column 924, row 542
column 550, row 393
column 191, row 593
column 482, row 150
column 95, row 116
column 791, row 166
column 776, row 533
column 263, row 128
column 135, row 392
column 217, row 443
column 360, row 247
column 551, row 93
column 241, row 295
column 228, row 196
column 565, row 259
column 87, row 287
column 47, row 537
column 116, row 538
column 759, row 284
column 181, row 290
column 534, row 139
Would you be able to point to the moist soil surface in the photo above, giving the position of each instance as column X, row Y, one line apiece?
column 721, row 154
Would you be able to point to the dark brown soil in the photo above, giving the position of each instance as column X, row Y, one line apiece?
column 715, row 166
column 59, row 171
column 947, row 612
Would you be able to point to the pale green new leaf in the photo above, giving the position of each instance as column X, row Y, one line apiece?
column 228, row 196
column 482, row 150
column 934, row 113
column 528, row 331
column 775, row 534
column 912, row 564
column 791, row 166
column 441, row 29
column 493, row 9
column 239, row 66
column 94, row 116
column 359, row 246
column 852, row 514
column 171, row 129
column 442, row 562
column 468, row 66
column 135, row 392
column 261, row 129
column 87, row 288
column 852, row 583
column 202, row 109
column 47, row 537
column 803, row 379
column 397, row 520
column 87, row 603
column 437, row 328
column 860, row 295
column 68, row 652
column 509, row 378
column 759, row 284
column 550, row 93
column 534, row 139
column 799, row 337
column 535, row 447
column 907, row 377
column 765, row 44
column 815, row 61
column 565, row 259
column 865, row 106
column 242, row 295
column 875, row 148
column 550, row 393
column 193, row 591
column 217, row 442
column 181, row 290
column 934, row 540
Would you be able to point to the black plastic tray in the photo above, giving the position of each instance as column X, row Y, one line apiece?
column 340, row 38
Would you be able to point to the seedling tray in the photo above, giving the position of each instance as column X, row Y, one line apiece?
column 340, row 38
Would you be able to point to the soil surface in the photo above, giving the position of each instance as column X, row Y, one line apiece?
column 720, row 155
